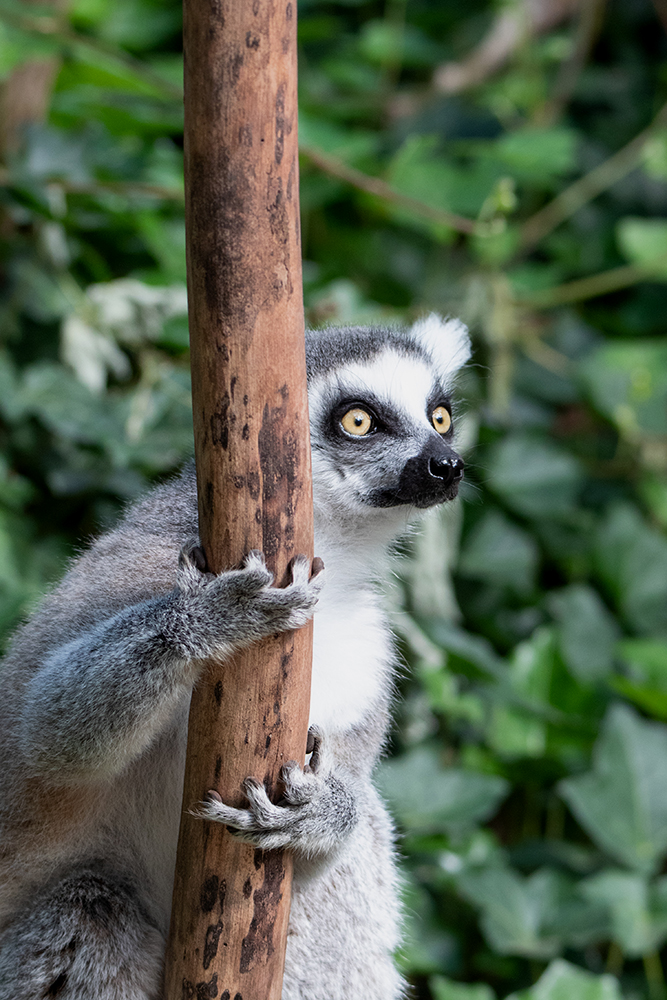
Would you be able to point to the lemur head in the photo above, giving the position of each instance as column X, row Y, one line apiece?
column 381, row 417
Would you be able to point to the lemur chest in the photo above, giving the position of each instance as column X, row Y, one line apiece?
column 352, row 659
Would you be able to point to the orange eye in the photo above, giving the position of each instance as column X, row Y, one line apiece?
column 356, row 421
column 441, row 419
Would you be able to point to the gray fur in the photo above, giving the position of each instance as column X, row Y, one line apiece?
column 93, row 718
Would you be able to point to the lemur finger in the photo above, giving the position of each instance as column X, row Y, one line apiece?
column 261, row 806
column 255, row 565
column 191, row 572
column 253, row 560
column 300, row 570
column 315, row 735
column 188, row 553
column 300, row 787
column 215, row 809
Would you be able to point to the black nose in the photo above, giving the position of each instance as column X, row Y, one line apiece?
column 446, row 469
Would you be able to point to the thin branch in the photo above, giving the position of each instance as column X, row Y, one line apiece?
column 512, row 27
column 374, row 185
column 50, row 27
column 99, row 187
column 588, row 187
column 591, row 16
column 594, row 285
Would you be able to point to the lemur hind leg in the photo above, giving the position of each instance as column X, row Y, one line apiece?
column 87, row 936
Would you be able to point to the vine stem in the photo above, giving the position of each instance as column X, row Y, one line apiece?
column 597, row 284
column 336, row 167
column 583, row 190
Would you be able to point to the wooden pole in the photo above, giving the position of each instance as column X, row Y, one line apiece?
column 249, row 715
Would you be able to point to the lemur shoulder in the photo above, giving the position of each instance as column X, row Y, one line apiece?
column 96, row 687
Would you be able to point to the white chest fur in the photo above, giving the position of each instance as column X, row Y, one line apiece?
column 352, row 658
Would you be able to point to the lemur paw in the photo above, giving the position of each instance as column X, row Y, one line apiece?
column 314, row 816
column 231, row 609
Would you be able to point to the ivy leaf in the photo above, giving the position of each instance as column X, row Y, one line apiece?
column 638, row 909
column 447, row 989
column 535, row 916
column 622, row 802
column 563, row 981
column 67, row 407
column 499, row 551
column 425, row 796
column 627, row 382
column 646, row 685
column 586, row 632
column 534, row 477
column 631, row 557
column 514, row 733
column 536, row 153
column 644, row 242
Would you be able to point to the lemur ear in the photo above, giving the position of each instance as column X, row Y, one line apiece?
column 446, row 340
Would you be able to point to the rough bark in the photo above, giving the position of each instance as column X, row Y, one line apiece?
column 249, row 715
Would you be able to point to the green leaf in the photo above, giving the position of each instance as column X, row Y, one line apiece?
column 654, row 155
column 534, row 477
column 426, row 947
column 514, row 733
column 67, row 407
column 383, row 41
column 631, row 558
column 646, row 661
column 651, row 700
column 627, row 382
column 421, row 171
column 349, row 144
column 447, row 989
column 646, row 658
column 500, row 552
column 536, row 916
column 424, row 796
column 638, row 909
column 563, row 981
column 586, row 632
column 18, row 46
column 622, row 802
column 166, row 240
column 644, row 242
column 653, row 491
column 472, row 649
column 535, row 153
column 11, row 405
column 39, row 292
column 137, row 24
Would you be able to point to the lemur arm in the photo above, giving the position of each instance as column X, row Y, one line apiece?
column 97, row 702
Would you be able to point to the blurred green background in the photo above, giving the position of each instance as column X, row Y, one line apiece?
column 502, row 162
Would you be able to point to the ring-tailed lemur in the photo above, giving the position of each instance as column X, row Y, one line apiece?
column 95, row 692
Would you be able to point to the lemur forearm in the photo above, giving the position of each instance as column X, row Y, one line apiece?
column 98, row 701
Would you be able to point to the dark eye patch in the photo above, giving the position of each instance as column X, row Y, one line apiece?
column 385, row 419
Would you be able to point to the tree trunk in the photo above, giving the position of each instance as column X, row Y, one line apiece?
column 249, row 715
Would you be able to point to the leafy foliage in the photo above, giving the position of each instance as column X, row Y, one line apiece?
column 527, row 769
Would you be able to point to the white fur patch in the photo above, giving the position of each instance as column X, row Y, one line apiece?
column 446, row 340
column 404, row 383
column 352, row 658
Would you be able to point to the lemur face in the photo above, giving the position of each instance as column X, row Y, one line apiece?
column 381, row 417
